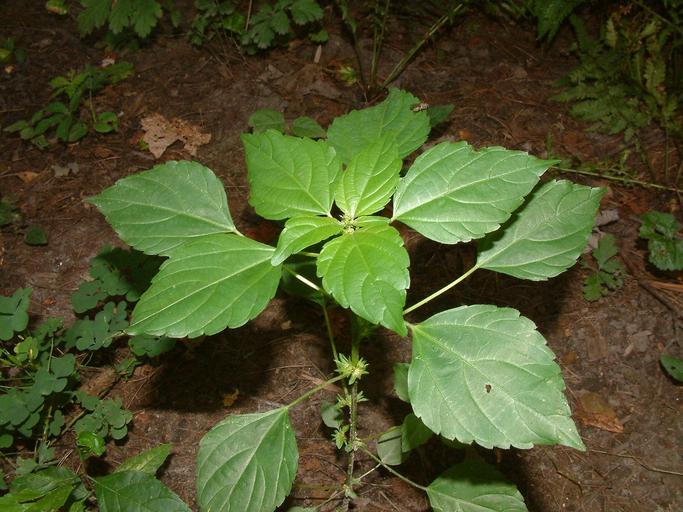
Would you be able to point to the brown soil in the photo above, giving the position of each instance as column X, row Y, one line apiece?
column 499, row 80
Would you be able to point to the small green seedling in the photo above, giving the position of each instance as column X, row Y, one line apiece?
column 65, row 117
column 608, row 272
column 665, row 245
column 479, row 373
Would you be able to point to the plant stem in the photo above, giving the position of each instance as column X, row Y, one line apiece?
column 353, row 411
column 330, row 333
column 393, row 471
column 620, row 179
column 301, row 278
column 441, row 291
column 378, row 41
column 398, row 69
column 313, row 391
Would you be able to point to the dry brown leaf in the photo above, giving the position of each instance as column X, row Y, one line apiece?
column 594, row 411
column 160, row 133
column 27, row 176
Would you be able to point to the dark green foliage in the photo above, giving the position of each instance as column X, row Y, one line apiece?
column 663, row 241
column 608, row 274
column 550, row 14
column 272, row 24
column 136, row 16
column 65, row 118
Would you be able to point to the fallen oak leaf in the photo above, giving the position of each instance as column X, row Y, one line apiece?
column 160, row 133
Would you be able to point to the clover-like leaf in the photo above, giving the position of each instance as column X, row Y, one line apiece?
column 14, row 313
column 290, row 176
column 367, row 270
column 351, row 133
column 474, row 486
column 247, row 463
column 215, row 282
column 453, row 193
column 546, row 236
column 267, row 119
column 370, row 179
column 307, row 127
column 302, row 232
column 484, row 374
column 157, row 210
column 135, row 491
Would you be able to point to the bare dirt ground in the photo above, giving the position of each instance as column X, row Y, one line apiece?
column 628, row 411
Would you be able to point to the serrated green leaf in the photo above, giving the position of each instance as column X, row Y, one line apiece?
column 160, row 209
column 247, row 463
column 14, row 313
column 215, row 282
column 673, row 366
column 474, row 486
column 367, row 270
column 135, row 491
column 267, row 119
column 147, row 12
column 606, row 249
column 546, row 236
column 484, row 374
column 351, row 133
column 94, row 15
column 279, row 22
column 307, row 127
column 305, row 11
column 290, row 176
column 302, row 232
column 370, row 180
column 665, row 247
column 401, row 381
column 453, row 193
column 146, row 462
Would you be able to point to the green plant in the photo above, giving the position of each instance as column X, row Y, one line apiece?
column 479, row 374
column 66, row 118
column 121, row 16
column 9, row 52
column 673, row 366
column 608, row 273
column 274, row 23
column 267, row 119
column 131, row 486
column 664, row 243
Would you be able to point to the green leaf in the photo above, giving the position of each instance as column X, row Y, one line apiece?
column 145, row 16
column 94, row 15
column 370, row 180
column 474, row 486
column 305, row 267
column 351, row 133
column 546, row 235
column 307, row 127
column 673, row 366
column 367, row 270
column 150, row 346
column 215, row 282
column 414, row 433
column 332, row 416
column 439, row 113
column 606, row 249
column 35, row 235
column 665, row 247
column 14, row 313
column 302, row 232
column 453, row 193
column 77, row 131
column 160, row 209
column 401, row 381
column 267, row 119
column 106, row 122
column 305, row 11
column 484, row 374
column 389, row 447
column 290, row 176
column 89, row 443
column 146, row 462
column 247, row 463
column 135, row 491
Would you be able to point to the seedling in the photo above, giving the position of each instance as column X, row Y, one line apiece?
column 479, row 374
column 665, row 245
column 65, row 118
column 608, row 272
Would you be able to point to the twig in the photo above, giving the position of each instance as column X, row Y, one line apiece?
column 639, row 461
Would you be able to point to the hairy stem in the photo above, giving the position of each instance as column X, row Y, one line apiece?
column 393, row 471
column 353, row 412
column 441, row 291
